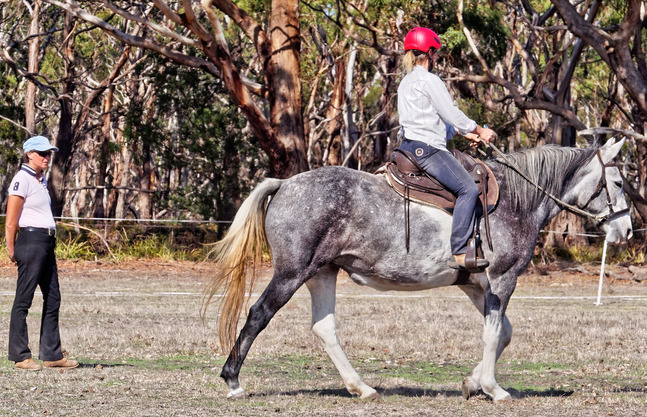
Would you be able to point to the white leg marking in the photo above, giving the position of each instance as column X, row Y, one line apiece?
column 322, row 291
column 236, row 394
column 473, row 382
column 492, row 336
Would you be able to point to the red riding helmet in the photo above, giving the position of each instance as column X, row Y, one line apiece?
column 421, row 39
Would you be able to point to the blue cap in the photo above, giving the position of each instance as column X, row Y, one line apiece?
column 38, row 143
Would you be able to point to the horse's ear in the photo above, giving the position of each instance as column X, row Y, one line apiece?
column 611, row 149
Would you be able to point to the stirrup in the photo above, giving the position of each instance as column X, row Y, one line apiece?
column 478, row 266
column 472, row 262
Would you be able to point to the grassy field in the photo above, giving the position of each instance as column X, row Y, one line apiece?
column 144, row 350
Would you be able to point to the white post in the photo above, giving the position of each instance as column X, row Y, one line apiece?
column 604, row 257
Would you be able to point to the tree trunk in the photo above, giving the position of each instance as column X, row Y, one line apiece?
column 32, row 67
column 146, row 183
column 566, row 230
column 351, row 133
column 387, row 66
column 334, row 116
column 121, row 204
column 565, row 134
column 104, row 157
column 285, row 86
column 64, row 139
column 147, row 172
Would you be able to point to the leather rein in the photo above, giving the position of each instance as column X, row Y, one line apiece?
column 602, row 185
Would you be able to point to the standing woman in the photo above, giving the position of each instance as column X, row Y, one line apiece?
column 429, row 118
column 29, row 216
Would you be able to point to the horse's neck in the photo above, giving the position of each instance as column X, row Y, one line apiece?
column 536, row 215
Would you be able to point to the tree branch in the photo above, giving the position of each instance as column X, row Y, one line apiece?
column 157, row 28
column 17, row 125
column 191, row 61
column 251, row 28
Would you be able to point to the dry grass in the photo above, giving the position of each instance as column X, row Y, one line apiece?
column 144, row 350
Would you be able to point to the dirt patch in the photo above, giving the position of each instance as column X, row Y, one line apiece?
column 144, row 350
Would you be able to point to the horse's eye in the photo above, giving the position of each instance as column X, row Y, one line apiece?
column 618, row 183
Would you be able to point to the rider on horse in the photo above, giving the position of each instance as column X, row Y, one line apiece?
column 429, row 118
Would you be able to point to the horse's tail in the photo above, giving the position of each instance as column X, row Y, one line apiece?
column 238, row 253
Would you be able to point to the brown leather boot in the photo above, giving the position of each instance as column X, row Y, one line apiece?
column 61, row 363
column 459, row 262
column 28, row 365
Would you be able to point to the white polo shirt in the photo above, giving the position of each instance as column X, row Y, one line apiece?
column 426, row 110
column 37, row 207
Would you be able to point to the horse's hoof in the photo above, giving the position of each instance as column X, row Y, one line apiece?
column 236, row 394
column 371, row 395
column 469, row 388
column 502, row 399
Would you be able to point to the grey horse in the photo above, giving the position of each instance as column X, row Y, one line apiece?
column 333, row 218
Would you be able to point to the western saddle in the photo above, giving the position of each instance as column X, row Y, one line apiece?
column 405, row 175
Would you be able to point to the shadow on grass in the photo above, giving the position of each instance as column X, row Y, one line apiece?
column 412, row 393
column 639, row 390
column 518, row 394
column 100, row 365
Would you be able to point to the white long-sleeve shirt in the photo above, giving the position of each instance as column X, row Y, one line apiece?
column 426, row 110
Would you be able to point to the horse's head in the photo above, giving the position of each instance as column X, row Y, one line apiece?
column 600, row 192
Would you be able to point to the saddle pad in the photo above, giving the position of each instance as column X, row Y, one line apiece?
column 418, row 186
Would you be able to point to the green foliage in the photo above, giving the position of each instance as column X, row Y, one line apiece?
column 11, row 137
column 256, row 8
column 485, row 24
column 197, row 139
column 150, row 247
column 155, row 246
column 74, row 249
column 493, row 34
column 585, row 254
column 592, row 253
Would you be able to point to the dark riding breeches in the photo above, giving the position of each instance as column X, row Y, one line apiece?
column 34, row 253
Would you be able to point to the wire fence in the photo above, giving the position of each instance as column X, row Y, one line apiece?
column 104, row 236
column 170, row 223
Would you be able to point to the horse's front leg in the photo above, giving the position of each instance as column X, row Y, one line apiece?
column 493, row 340
column 322, row 292
column 472, row 382
column 497, row 333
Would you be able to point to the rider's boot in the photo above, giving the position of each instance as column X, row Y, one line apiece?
column 476, row 265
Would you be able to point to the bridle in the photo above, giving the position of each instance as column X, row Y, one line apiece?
column 602, row 185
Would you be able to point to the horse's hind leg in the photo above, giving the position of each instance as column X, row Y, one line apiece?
column 473, row 382
column 279, row 291
column 322, row 292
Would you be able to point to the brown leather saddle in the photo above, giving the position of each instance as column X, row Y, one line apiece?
column 405, row 175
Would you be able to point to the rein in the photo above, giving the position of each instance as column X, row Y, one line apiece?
column 573, row 209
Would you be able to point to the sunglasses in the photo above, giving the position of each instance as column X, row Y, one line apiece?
column 44, row 154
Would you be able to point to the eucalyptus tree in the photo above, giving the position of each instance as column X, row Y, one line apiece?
column 57, row 66
column 316, row 81
column 28, row 32
column 619, row 40
column 192, row 34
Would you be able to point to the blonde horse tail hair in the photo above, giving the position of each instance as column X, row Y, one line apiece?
column 238, row 255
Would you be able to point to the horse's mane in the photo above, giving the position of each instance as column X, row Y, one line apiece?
column 550, row 166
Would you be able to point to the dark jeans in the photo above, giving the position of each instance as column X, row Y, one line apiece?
column 449, row 172
column 34, row 253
